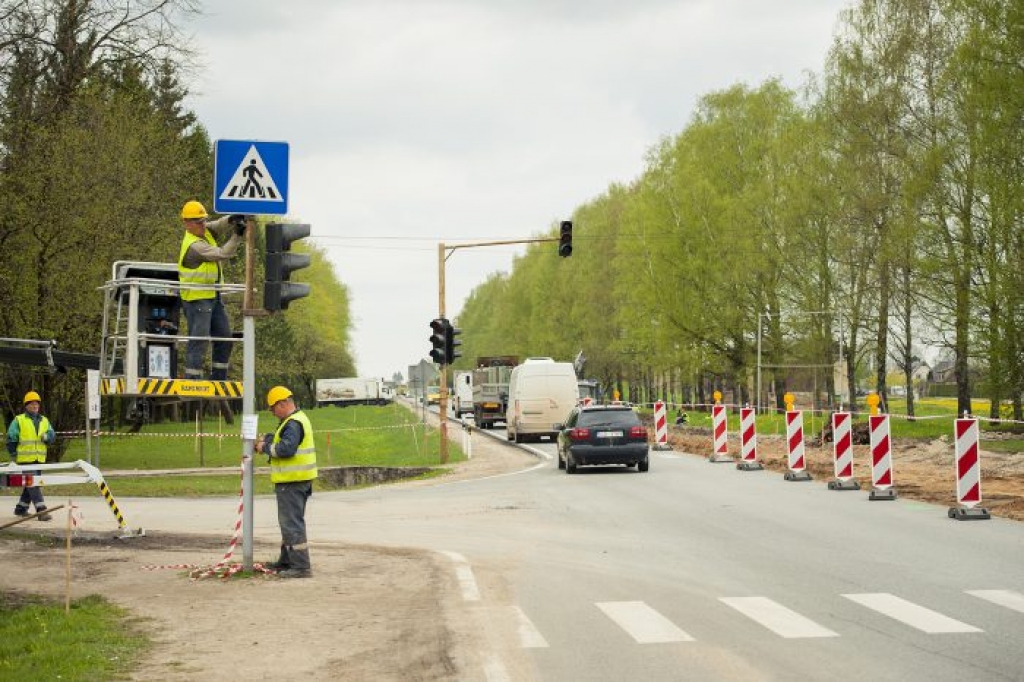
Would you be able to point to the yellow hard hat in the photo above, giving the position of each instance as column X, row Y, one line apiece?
column 192, row 210
column 277, row 394
column 31, row 397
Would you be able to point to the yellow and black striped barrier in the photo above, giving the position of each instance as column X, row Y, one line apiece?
column 174, row 387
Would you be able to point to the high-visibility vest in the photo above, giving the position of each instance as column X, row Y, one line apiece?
column 301, row 467
column 31, row 448
column 206, row 273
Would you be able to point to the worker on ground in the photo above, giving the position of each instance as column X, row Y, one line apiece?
column 27, row 438
column 292, row 454
column 199, row 263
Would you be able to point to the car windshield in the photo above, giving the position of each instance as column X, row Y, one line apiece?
column 603, row 418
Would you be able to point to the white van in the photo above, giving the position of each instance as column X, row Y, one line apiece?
column 541, row 393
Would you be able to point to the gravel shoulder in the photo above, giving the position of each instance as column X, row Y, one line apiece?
column 368, row 613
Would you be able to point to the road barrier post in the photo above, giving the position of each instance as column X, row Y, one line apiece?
column 719, row 422
column 796, row 461
column 748, row 441
column 842, row 450
column 968, row 473
column 660, row 427
column 881, row 458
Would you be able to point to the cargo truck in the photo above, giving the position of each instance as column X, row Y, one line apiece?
column 490, row 389
column 462, row 394
column 353, row 391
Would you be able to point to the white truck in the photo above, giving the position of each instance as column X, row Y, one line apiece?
column 462, row 393
column 353, row 391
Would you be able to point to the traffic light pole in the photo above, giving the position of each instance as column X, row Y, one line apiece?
column 443, row 252
column 249, row 417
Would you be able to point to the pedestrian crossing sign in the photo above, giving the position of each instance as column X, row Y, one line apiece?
column 250, row 177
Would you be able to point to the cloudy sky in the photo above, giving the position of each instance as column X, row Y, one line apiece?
column 414, row 122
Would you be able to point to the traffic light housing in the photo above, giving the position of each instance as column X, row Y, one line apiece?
column 278, row 291
column 565, row 239
column 438, row 340
column 451, row 343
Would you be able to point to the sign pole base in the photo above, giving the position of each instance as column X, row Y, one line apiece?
column 969, row 513
column 843, row 484
column 749, row 465
column 882, row 494
column 798, row 476
column 718, row 458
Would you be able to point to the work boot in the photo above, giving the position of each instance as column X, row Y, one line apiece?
column 276, row 565
column 21, row 511
column 44, row 515
column 296, row 573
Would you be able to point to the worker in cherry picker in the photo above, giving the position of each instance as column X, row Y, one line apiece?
column 199, row 263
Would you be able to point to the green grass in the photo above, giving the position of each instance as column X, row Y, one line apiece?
column 39, row 641
column 391, row 436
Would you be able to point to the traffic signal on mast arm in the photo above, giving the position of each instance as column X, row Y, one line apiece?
column 451, row 343
column 278, row 292
column 438, row 340
column 565, row 239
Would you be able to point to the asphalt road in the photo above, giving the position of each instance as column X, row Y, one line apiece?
column 695, row 571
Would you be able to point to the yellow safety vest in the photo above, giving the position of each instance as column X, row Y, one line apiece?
column 206, row 273
column 301, row 467
column 31, row 448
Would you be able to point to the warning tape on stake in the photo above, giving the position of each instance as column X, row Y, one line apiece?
column 164, row 434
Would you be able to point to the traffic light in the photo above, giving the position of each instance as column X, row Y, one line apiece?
column 450, row 343
column 439, row 340
column 278, row 292
column 565, row 239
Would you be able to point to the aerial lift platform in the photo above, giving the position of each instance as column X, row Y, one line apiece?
column 141, row 318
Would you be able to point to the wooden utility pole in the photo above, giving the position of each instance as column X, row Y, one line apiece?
column 443, row 252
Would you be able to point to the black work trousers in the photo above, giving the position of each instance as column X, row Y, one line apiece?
column 291, row 516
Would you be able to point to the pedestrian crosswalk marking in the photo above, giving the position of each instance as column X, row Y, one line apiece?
column 911, row 614
column 252, row 181
column 529, row 635
column 777, row 618
column 643, row 623
column 1008, row 598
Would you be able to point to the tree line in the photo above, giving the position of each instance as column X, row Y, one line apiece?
column 873, row 211
column 98, row 152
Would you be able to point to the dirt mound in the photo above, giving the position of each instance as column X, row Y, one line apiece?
column 922, row 469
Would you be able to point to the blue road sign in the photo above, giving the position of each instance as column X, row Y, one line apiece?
column 250, row 177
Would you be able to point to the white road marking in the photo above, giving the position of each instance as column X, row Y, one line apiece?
column 464, row 573
column 781, row 620
column 643, row 623
column 915, row 616
column 529, row 635
column 1008, row 598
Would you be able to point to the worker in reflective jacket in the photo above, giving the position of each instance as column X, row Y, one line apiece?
column 27, row 438
column 292, row 454
column 199, row 262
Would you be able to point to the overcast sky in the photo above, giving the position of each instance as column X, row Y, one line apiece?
column 421, row 121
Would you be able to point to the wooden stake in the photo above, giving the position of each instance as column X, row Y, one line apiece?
column 67, row 569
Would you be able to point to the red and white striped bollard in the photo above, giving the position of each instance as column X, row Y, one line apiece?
column 881, row 458
column 842, row 450
column 748, row 441
column 968, row 472
column 795, row 447
column 719, row 423
column 660, row 427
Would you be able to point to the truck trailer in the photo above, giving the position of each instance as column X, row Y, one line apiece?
column 490, row 389
column 353, row 391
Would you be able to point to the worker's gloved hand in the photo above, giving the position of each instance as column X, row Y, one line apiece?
column 238, row 222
